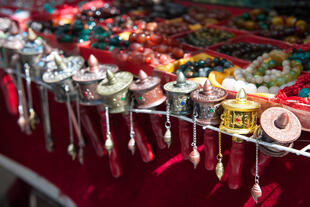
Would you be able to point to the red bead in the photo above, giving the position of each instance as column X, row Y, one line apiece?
column 141, row 38
column 155, row 38
column 162, row 48
column 238, row 119
column 148, row 59
column 141, row 49
column 177, row 52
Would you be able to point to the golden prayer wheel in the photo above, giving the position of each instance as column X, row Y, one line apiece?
column 240, row 114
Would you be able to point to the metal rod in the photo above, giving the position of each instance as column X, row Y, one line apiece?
column 148, row 111
column 248, row 139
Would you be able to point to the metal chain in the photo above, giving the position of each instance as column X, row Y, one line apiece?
column 220, row 143
column 168, row 123
column 107, row 122
column 195, row 115
column 69, row 114
column 132, row 132
column 256, row 163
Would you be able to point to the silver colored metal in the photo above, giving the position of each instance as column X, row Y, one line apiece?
column 33, row 118
column 178, row 95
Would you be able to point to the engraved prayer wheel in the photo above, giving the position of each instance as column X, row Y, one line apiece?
column 239, row 115
column 11, row 44
column 147, row 91
column 207, row 101
column 178, row 94
column 31, row 51
column 61, row 76
column 88, row 78
column 278, row 126
column 114, row 91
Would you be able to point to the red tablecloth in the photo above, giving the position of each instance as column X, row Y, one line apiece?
column 167, row 181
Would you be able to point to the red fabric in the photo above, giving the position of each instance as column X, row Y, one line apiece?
column 167, row 181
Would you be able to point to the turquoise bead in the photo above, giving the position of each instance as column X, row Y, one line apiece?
column 304, row 93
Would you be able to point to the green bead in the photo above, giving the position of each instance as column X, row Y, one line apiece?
column 211, row 110
column 66, row 38
column 293, row 74
column 271, row 64
column 261, row 70
column 270, row 84
column 111, row 48
column 102, row 45
column 140, row 98
column 246, row 15
column 280, row 81
column 94, row 45
column 287, row 78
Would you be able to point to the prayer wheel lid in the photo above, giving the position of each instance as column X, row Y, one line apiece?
column 94, row 71
column 208, row 94
column 181, row 85
column 240, row 103
column 280, row 124
column 66, row 67
column 144, row 82
column 114, row 83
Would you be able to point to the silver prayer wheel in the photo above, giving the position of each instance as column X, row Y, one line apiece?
column 87, row 80
column 278, row 126
column 11, row 44
column 114, row 91
column 31, row 51
column 178, row 94
column 61, row 77
column 147, row 91
column 207, row 102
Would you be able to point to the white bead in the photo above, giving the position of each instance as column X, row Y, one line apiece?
column 255, row 63
column 274, row 71
column 260, row 59
column 268, row 72
column 237, row 71
column 249, row 69
column 259, row 79
column 274, row 89
column 250, row 88
column 239, row 84
column 229, row 83
column 248, row 77
column 273, row 77
column 278, row 74
column 286, row 68
column 286, row 63
column 262, row 89
column 267, row 78
column 265, row 56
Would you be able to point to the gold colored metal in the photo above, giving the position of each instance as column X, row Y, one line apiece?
column 240, row 114
column 72, row 151
column 31, row 35
column 168, row 137
column 219, row 170
column 114, row 91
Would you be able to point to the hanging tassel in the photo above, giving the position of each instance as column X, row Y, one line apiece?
column 71, row 148
column 256, row 191
column 167, row 135
column 108, row 144
column 111, row 144
column 156, row 123
column 194, row 156
column 132, row 142
column 185, row 138
column 263, row 162
column 140, row 139
column 210, row 149
column 236, row 160
column 219, row 170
